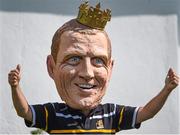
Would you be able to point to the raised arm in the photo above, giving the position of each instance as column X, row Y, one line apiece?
column 20, row 103
column 154, row 106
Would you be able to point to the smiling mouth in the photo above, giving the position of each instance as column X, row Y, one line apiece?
column 86, row 86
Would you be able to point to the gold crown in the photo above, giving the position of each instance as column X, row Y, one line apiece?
column 93, row 17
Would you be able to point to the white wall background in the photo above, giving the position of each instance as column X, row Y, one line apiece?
column 144, row 35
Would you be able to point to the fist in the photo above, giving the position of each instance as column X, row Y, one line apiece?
column 172, row 80
column 14, row 76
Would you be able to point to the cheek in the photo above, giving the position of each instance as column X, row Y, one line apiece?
column 66, row 75
column 101, row 76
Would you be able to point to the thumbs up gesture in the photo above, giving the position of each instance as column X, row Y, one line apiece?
column 14, row 76
column 172, row 80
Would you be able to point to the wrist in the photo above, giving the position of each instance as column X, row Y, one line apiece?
column 16, row 87
column 167, row 89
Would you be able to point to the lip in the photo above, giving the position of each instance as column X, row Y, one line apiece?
column 86, row 87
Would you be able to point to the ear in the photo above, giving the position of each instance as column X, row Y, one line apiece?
column 112, row 63
column 110, row 69
column 50, row 66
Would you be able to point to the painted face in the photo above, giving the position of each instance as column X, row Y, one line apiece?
column 83, row 69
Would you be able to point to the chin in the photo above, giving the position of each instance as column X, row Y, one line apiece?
column 88, row 104
column 82, row 103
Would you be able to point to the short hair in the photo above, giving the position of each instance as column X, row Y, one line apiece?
column 74, row 26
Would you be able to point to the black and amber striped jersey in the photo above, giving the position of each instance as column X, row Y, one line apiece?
column 104, row 119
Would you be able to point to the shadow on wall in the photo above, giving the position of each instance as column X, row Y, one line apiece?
column 70, row 7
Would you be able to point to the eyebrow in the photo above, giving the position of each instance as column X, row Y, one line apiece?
column 75, row 52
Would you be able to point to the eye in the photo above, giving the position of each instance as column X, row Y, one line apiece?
column 74, row 60
column 98, row 62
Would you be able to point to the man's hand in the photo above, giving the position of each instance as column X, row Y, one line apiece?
column 14, row 77
column 172, row 80
column 154, row 105
column 19, row 100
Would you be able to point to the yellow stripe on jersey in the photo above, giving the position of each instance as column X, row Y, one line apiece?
column 120, row 118
column 84, row 131
column 46, row 128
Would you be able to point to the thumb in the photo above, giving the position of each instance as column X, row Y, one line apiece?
column 169, row 71
column 18, row 67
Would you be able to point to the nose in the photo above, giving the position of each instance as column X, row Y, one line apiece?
column 86, row 71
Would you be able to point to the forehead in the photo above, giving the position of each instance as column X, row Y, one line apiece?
column 76, row 40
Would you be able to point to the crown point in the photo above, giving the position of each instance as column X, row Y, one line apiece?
column 98, row 5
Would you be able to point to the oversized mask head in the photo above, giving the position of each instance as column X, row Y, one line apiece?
column 80, row 64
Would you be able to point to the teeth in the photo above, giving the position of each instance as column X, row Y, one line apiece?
column 86, row 86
